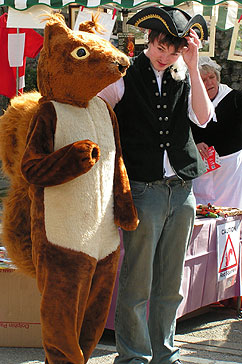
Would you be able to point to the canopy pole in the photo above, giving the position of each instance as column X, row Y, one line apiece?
column 17, row 73
column 125, row 19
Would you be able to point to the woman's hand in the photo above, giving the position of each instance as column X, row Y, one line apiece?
column 203, row 149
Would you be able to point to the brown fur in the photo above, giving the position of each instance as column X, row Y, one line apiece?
column 76, row 288
column 76, row 85
column 16, row 214
column 13, row 132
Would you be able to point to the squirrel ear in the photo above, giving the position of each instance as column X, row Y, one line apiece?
column 88, row 26
column 55, row 26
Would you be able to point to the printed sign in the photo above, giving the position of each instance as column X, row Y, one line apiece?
column 213, row 160
column 228, row 238
column 126, row 43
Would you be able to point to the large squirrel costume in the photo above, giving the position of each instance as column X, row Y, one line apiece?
column 69, row 189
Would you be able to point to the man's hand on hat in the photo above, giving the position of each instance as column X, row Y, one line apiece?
column 190, row 52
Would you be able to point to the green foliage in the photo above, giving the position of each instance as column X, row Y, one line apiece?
column 30, row 78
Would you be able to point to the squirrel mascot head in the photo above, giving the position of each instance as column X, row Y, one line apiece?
column 74, row 66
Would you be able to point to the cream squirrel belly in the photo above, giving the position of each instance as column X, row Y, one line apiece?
column 90, row 230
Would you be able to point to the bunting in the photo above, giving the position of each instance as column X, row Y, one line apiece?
column 57, row 4
column 226, row 12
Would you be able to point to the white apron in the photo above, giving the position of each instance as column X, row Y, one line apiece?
column 223, row 186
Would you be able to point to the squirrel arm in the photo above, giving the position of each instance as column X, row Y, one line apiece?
column 125, row 213
column 43, row 166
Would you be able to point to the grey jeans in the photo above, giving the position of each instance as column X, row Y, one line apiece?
column 152, row 271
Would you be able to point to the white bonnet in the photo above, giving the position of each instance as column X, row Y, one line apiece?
column 205, row 60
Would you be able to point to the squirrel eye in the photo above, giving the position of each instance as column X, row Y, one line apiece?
column 80, row 53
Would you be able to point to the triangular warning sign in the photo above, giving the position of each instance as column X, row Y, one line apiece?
column 229, row 259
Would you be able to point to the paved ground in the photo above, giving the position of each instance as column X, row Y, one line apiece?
column 212, row 337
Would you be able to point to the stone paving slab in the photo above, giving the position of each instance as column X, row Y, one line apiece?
column 104, row 355
column 214, row 337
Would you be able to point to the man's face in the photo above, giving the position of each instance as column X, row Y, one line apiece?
column 162, row 55
column 211, row 83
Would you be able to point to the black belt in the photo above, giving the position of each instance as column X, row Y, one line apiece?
column 168, row 180
column 171, row 178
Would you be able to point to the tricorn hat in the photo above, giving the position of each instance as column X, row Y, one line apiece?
column 170, row 20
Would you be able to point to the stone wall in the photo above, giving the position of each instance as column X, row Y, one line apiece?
column 231, row 73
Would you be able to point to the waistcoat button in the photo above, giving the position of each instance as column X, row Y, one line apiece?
column 161, row 145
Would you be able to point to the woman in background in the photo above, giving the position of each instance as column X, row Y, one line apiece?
column 223, row 186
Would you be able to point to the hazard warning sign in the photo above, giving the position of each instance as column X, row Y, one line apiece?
column 228, row 237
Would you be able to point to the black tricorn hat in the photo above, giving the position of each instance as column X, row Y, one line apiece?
column 170, row 20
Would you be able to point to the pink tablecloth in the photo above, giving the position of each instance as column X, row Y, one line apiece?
column 199, row 285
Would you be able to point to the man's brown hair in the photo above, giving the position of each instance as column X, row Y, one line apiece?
column 167, row 39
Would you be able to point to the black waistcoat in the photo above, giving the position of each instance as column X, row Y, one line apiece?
column 225, row 134
column 151, row 123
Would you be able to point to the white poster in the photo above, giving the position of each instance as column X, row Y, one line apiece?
column 16, row 43
column 228, row 242
column 105, row 19
column 30, row 18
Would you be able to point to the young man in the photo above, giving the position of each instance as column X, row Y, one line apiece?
column 161, row 159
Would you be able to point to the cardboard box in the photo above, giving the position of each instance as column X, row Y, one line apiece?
column 19, row 310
